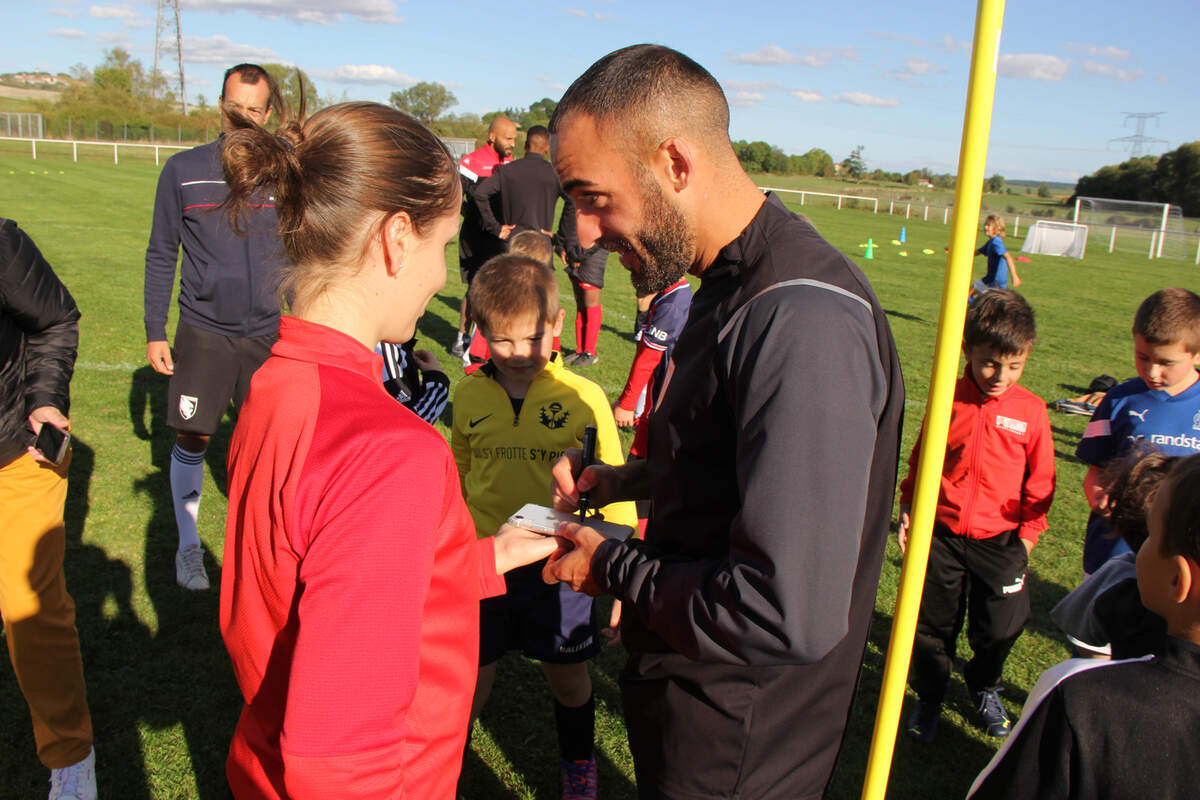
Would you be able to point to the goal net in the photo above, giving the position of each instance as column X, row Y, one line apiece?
column 1156, row 229
column 1056, row 239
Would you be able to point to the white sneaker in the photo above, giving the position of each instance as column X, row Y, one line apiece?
column 76, row 782
column 189, row 568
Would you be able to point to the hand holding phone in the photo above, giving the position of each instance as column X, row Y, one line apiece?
column 52, row 443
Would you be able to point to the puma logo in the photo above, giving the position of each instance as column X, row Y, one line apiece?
column 1141, row 415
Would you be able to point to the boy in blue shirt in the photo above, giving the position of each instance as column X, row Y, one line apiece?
column 1161, row 406
column 1000, row 264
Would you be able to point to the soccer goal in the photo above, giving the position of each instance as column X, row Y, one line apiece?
column 1056, row 239
column 1137, row 226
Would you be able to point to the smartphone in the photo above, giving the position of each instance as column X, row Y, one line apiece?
column 541, row 519
column 52, row 443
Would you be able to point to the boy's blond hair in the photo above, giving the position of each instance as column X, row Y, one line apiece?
column 534, row 244
column 998, row 222
column 509, row 286
column 1169, row 316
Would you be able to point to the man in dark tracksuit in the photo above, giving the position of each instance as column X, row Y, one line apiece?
column 772, row 451
column 528, row 190
column 228, row 306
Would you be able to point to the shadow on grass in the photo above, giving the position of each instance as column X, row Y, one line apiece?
column 519, row 718
column 182, row 676
column 902, row 315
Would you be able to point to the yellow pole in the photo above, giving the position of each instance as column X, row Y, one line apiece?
column 972, row 161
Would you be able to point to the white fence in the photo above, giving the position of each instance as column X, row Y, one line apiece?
column 114, row 146
column 1156, row 244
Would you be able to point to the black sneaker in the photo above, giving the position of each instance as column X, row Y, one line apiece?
column 992, row 716
column 584, row 359
column 923, row 722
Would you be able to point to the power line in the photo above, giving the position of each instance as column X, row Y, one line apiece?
column 167, row 23
column 1140, row 139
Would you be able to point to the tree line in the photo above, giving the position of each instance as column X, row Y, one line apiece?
column 1173, row 178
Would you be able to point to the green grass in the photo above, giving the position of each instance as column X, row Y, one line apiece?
column 162, row 694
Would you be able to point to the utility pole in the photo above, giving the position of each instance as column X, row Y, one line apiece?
column 170, row 24
column 1140, row 139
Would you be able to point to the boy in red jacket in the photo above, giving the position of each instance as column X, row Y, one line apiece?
column 997, row 485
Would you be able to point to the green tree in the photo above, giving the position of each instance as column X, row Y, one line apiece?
column 1177, row 178
column 853, row 165
column 995, row 184
column 426, row 101
column 290, row 80
column 1043, row 190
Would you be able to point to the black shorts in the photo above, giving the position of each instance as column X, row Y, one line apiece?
column 211, row 370
column 591, row 270
column 547, row 623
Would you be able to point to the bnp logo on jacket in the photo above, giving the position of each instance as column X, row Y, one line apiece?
column 553, row 416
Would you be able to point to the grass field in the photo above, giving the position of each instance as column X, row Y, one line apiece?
column 161, row 691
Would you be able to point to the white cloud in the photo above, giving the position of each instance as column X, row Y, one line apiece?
column 914, row 67
column 864, row 99
column 222, row 50
column 744, row 99
column 1108, row 51
column 752, row 86
column 767, row 56
column 322, row 12
column 807, row 96
column 69, row 13
column 136, row 24
column 899, row 37
column 67, row 33
column 1109, row 71
column 949, row 44
column 1034, row 67
column 112, row 12
column 1162, row 80
column 576, row 12
column 366, row 74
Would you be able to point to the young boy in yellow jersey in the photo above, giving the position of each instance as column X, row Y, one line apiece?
column 513, row 418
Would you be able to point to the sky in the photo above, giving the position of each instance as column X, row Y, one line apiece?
column 891, row 77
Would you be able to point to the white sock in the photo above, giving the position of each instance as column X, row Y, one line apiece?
column 187, row 482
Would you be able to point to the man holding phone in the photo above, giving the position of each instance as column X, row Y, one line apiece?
column 39, row 336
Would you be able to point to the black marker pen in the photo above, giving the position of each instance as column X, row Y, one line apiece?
column 589, row 456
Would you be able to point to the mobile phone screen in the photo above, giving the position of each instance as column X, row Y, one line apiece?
column 52, row 443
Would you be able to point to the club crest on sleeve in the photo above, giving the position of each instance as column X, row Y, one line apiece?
column 187, row 406
column 1196, row 422
column 553, row 416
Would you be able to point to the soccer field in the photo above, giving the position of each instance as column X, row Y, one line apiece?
column 162, row 694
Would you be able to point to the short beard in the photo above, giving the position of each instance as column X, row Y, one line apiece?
column 665, row 246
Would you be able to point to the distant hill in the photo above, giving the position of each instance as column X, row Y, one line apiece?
column 36, row 80
column 1058, row 187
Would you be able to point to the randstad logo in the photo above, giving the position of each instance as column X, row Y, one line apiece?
column 1182, row 440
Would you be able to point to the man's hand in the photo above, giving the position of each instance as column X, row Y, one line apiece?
column 45, row 415
column 426, row 361
column 516, row 547
column 624, row 418
column 905, row 522
column 506, row 231
column 571, row 563
column 1028, row 546
column 600, row 480
column 159, row 356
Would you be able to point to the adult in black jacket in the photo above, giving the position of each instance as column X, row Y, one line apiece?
column 528, row 190
column 39, row 335
column 772, row 447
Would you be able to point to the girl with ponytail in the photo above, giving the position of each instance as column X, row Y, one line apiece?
column 352, row 573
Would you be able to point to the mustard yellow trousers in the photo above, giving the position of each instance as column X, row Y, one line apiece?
column 39, row 615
